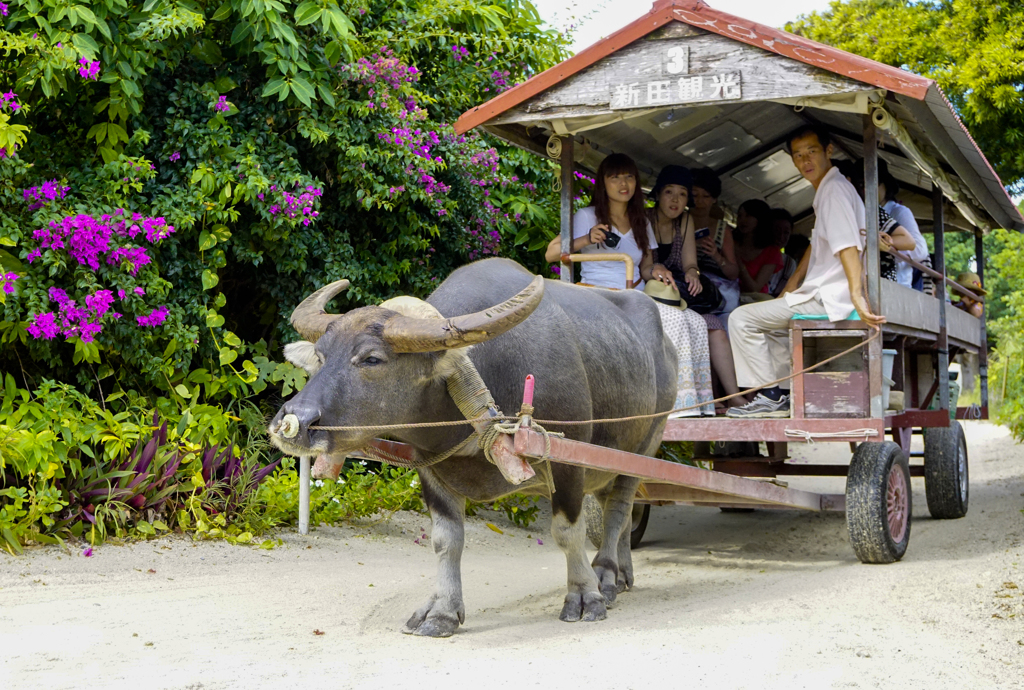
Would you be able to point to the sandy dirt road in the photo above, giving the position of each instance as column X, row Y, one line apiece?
column 764, row 600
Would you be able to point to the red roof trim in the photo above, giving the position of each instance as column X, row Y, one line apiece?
column 702, row 16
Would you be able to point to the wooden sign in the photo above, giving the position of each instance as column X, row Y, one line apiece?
column 679, row 65
column 676, row 84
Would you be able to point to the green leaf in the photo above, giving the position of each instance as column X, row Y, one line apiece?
column 86, row 44
column 210, row 279
column 307, row 13
column 326, row 95
column 208, row 51
column 182, row 391
column 227, row 355
column 273, row 86
column 170, row 349
column 303, row 90
column 224, row 83
column 115, row 132
column 144, row 527
column 222, row 13
column 332, row 52
column 206, row 241
column 232, row 339
column 214, row 320
column 85, row 14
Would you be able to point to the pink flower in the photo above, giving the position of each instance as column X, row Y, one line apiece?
column 121, row 294
column 7, row 280
column 43, row 326
column 88, row 552
column 88, row 70
column 174, row 156
column 154, row 318
column 222, row 105
column 139, row 291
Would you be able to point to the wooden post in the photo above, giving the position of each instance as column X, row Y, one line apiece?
column 304, row 494
column 874, row 285
column 568, row 165
column 939, row 228
column 979, row 256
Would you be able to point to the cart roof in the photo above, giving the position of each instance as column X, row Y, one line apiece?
column 688, row 84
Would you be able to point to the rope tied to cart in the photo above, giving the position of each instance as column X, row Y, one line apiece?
column 493, row 420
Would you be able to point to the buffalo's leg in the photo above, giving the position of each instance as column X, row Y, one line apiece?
column 613, row 564
column 568, row 528
column 444, row 610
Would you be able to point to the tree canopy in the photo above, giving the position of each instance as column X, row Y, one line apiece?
column 974, row 49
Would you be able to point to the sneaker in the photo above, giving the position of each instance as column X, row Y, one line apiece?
column 760, row 407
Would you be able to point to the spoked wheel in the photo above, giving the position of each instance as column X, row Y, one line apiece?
column 594, row 516
column 946, row 485
column 878, row 502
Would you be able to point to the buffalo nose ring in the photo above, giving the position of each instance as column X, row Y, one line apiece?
column 289, row 426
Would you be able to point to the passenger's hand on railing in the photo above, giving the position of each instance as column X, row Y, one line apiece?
column 860, row 303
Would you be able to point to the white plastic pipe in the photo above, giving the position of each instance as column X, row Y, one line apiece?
column 304, row 462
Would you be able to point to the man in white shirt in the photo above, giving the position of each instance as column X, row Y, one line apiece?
column 827, row 281
column 887, row 188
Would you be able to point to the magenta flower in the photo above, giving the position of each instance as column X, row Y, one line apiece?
column 174, row 156
column 87, row 552
column 3, row 9
column 222, row 105
column 121, row 294
column 154, row 318
column 139, row 291
column 43, row 326
column 88, row 70
column 7, row 281
column 136, row 257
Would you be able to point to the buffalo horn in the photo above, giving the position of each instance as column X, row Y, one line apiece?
column 309, row 318
column 410, row 334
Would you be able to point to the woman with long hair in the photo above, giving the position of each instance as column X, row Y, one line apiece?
column 615, row 223
column 677, row 251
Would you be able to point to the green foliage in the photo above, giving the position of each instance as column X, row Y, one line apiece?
column 278, row 146
column 1006, row 364
column 974, row 49
column 519, row 509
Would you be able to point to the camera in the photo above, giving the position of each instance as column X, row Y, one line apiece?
column 702, row 233
column 611, row 240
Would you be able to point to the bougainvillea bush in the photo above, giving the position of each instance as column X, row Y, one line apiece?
column 176, row 176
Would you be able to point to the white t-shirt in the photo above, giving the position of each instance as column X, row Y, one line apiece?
column 905, row 217
column 838, row 222
column 609, row 273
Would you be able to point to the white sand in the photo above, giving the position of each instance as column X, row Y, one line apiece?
column 765, row 600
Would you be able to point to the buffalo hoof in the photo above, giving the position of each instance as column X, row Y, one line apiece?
column 432, row 621
column 607, row 575
column 624, row 580
column 587, row 607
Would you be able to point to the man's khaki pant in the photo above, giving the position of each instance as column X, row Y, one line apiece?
column 759, row 334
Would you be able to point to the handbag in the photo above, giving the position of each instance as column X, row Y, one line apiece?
column 708, row 301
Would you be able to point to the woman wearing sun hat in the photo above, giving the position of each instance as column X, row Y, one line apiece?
column 688, row 332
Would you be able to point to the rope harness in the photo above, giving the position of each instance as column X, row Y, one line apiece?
column 475, row 402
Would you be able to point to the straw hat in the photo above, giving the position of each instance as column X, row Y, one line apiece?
column 972, row 282
column 666, row 294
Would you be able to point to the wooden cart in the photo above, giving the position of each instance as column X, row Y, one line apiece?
column 689, row 85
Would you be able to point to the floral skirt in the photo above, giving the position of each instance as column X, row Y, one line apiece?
column 689, row 333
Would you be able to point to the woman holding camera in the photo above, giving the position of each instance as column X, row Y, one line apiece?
column 616, row 223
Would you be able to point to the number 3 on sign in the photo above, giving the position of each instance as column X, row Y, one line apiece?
column 678, row 60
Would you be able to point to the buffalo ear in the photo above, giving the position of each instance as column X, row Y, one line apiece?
column 303, row 355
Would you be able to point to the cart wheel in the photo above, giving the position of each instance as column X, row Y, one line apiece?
column 945, row 472
column 878, row 502
column 594, row 516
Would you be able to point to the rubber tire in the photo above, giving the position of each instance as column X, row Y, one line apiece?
column 946, row 479
column 866, row 505
column 594, row 516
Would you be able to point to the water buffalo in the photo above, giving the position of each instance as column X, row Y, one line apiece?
column 595, row 354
